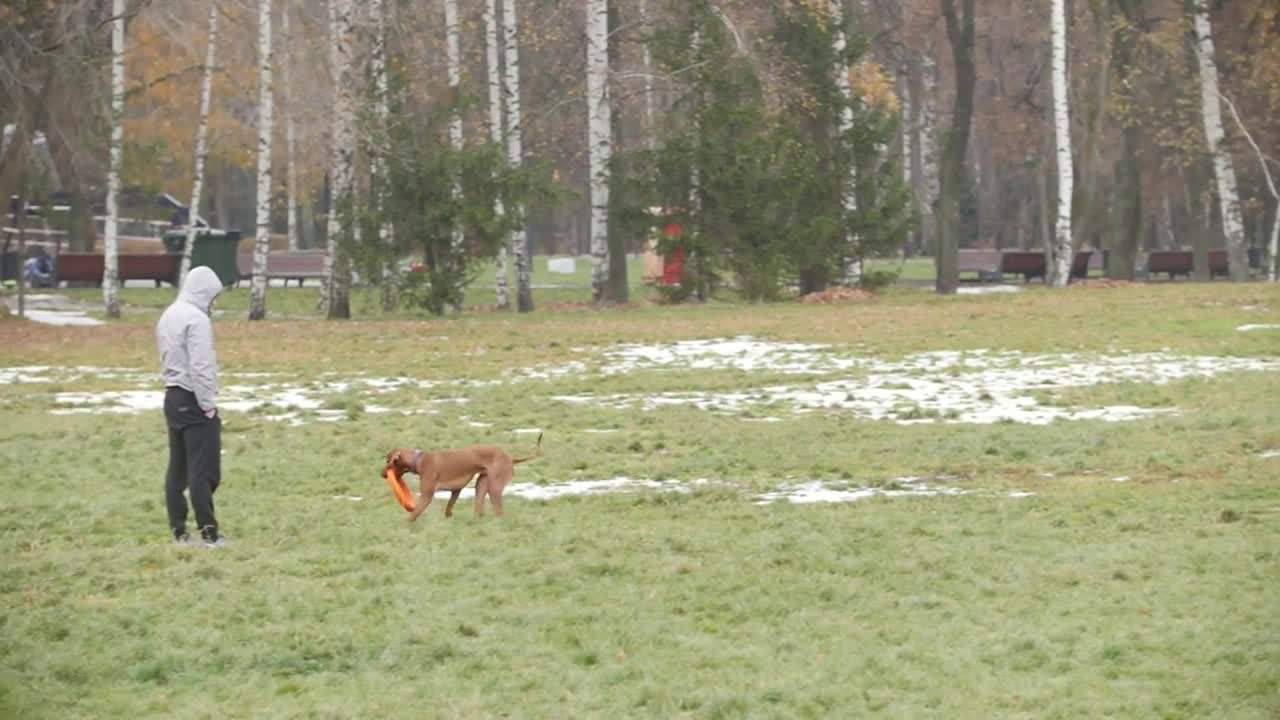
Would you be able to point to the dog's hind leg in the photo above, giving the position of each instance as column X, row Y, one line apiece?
column 482, row 488
column 501, row 477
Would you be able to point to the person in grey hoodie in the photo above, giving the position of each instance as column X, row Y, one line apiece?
column 190, row 369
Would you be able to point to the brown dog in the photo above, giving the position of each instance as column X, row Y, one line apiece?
column 453, row 470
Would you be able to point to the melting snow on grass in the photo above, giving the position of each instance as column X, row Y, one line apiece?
column 977, row 386
column 798, row 493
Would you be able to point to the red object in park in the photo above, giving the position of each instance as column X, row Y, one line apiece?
column 673, row 264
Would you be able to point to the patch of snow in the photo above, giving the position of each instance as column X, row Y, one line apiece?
column 1252, row 327
column 822, row 492
column 65, row 318
column 988, row 290
column 1267, row 454
column 112, row 402
column 798, row 493
column 979, row 386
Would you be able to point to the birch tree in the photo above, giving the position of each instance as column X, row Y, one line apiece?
column 849, row 198
column 337, row 268
column 495, row 131
column 1060, row 255
column 290, row 147
column 1223, row 170
column 378, row 16
column 262, row 239
column 1273, row 245
column 202, row 141
column 929, row 174
column 453, row 53
column 515, row 151
column 651, row 137
column 110, row 268
column 599, row 139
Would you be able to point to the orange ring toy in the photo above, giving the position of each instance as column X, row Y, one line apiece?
column 401, row 490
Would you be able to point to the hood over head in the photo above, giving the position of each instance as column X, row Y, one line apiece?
column 201, row 288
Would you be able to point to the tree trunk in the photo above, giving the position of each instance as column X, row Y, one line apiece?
column 202, row 141
column 381, row 181
column 1060, row 254
column 110, row 272
column 1127, row 222
column 1200, row 220
column 1224, row 172
column 908, row 155
column 960, row 32
column 1271, row 188
column 496, row 134
column 929, row 174
column 617, row 289
column 290, row 147
column 20, row 222
column 454, row 62
column 515, row 151
column 599, row 148
column 849, row 196
column 342, row 163
column 651, row 132
column 1128, row 207
column 262, row 239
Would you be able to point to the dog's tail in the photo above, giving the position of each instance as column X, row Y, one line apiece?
column 537, row 453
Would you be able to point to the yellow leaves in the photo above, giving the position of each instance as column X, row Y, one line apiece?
column 820, row 9
column 875, row 85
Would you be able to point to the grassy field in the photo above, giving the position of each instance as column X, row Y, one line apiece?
column 1081, row 568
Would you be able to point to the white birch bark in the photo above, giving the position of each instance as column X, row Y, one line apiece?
column 849, row 198
column 908, row 113
column 202, row 141
column 599, row 138
column 341, row 161
column 695, row 173
column 453, row 53
column 1274, row 243
column 111, row 236
column 262, row 239
column 1223, row 170
column 515, row 150
column 378, row 60
column 929, row 177
column 1060, row 255
column 496, row 134
column 651, row 137
column 290, row 145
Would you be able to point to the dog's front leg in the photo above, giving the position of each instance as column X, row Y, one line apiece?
column 428, row 489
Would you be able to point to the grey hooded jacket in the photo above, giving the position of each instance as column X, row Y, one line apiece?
column 185, row 337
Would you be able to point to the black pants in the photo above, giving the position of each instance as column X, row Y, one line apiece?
column 195, row 462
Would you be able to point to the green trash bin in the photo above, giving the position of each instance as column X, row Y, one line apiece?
column 214, row 248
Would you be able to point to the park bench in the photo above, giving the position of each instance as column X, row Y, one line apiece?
column 1031, row 264
column 1182, row 262
column 983, row 263
column 88, row 267
column 301, row 265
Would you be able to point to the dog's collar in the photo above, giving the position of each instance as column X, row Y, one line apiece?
column 417, row 455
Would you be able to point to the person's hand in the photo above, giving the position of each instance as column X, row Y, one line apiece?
column 211, row 414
